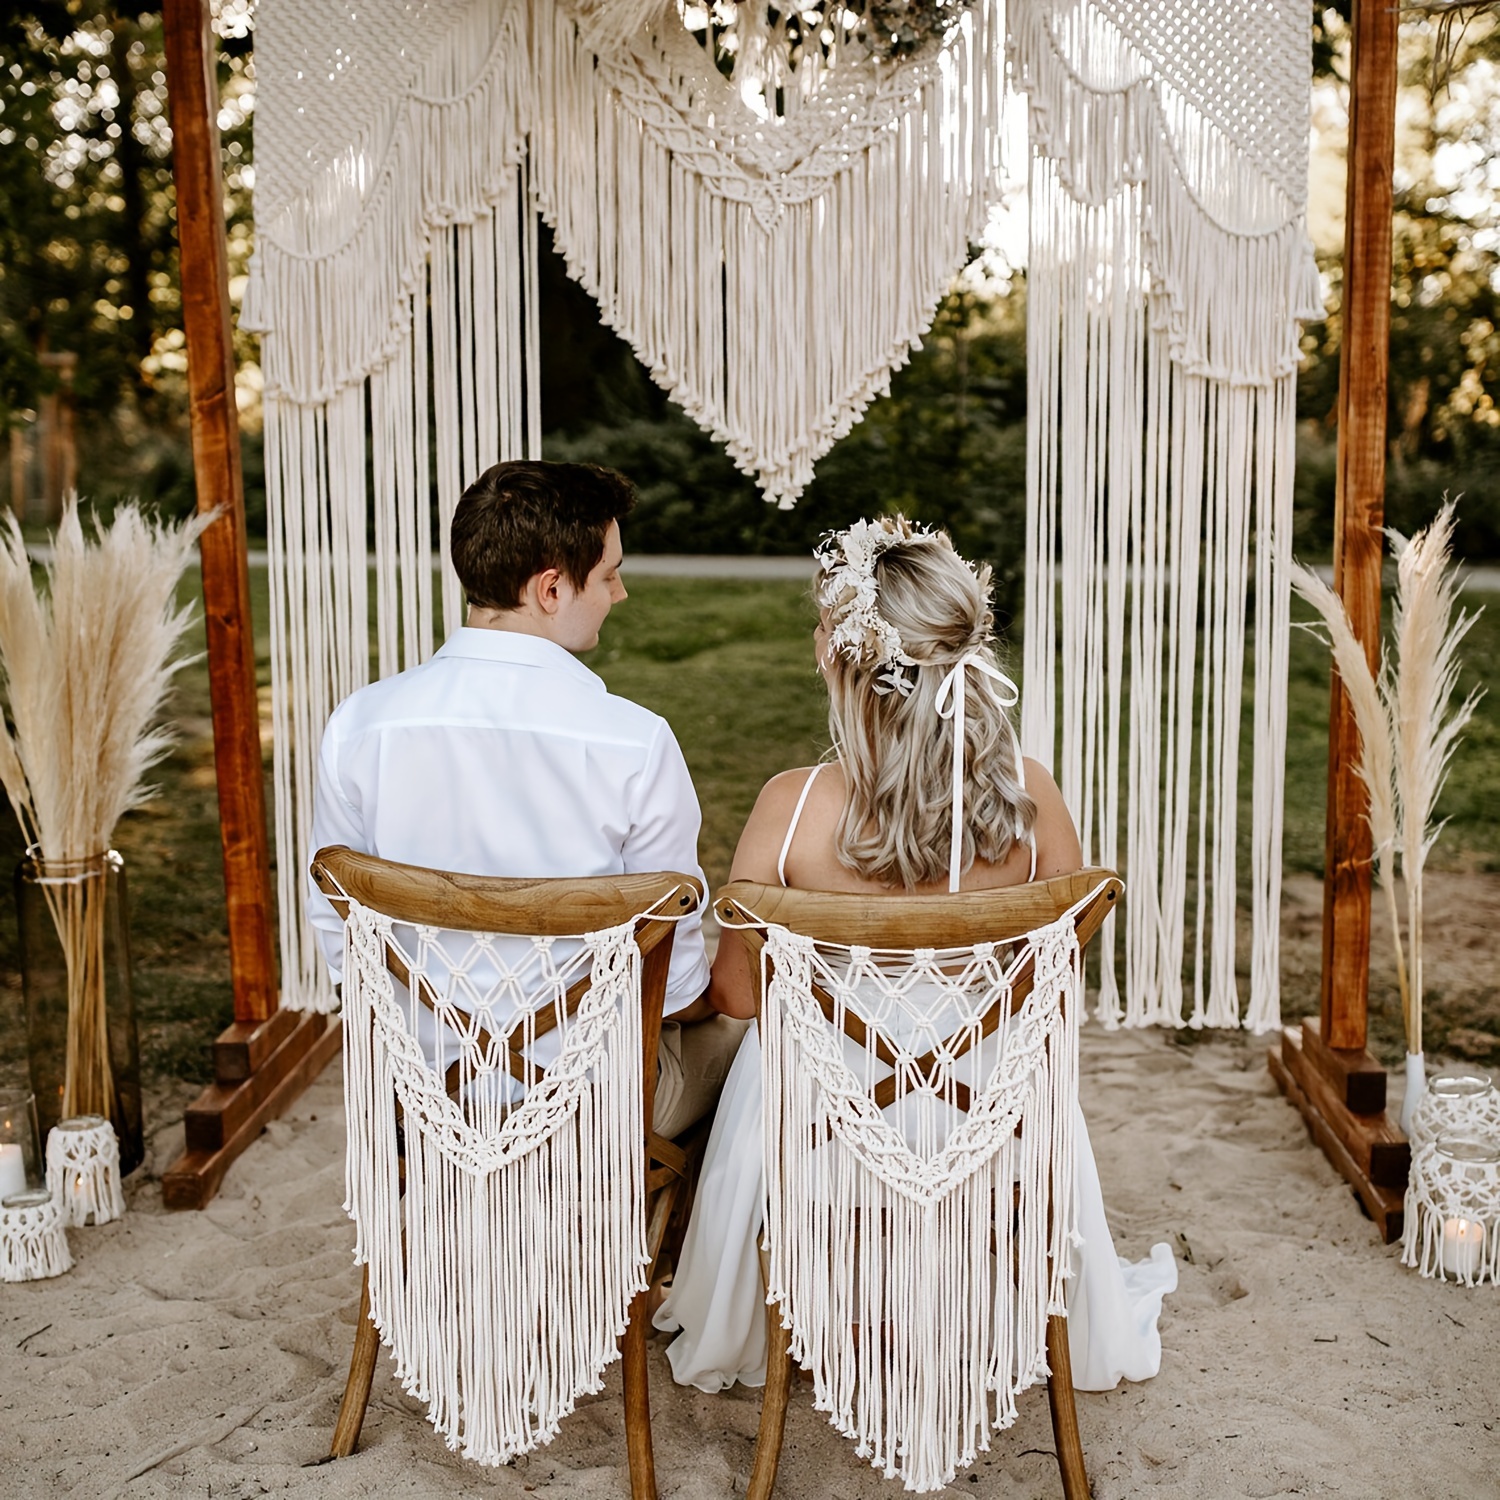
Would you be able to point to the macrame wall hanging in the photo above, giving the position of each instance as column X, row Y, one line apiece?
column 768, row 210
column 1168, row 268
column 769, row 206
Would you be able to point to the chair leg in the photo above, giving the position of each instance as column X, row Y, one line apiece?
column 638, row 1403
column 772, row 1407
column 1075, row 1479
column 361, row 1375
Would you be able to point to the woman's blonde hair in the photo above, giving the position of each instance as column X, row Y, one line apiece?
column 895, row 749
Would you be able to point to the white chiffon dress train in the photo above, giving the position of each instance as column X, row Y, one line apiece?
column 717, row 1299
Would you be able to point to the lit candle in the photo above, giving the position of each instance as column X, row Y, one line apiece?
column 1463, row 1246
column 12, row 1170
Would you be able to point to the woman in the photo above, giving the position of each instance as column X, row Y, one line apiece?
column 928, row 792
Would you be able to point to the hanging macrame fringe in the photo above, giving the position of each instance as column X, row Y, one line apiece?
column 501, row 1274
column 1161, row 354
column 917, row 1287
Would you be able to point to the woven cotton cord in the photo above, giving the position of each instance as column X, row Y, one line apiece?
column 524, row 1225
column 33, row 1245
column 952, row 686
column 919, row 1333
column 83, row 1171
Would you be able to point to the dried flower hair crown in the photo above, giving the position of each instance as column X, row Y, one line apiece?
column 860, row 632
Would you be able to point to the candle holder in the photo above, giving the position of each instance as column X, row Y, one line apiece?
column 1453, row 1211
column 33, row 1245
column 20, row 1159
column 83, row 1170
column 1458, row 1102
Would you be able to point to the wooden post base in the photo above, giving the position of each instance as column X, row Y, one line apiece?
column 268, row 1065
column 1365, row 1145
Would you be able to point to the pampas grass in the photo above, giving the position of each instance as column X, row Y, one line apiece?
column 1408, row 724
column 86, row 661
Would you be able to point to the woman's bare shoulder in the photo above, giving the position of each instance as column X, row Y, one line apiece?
column 760, row 844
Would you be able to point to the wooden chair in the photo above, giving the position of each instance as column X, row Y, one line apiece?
column 460, row 904
column 897, row 927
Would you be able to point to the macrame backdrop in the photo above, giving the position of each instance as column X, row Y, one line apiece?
column 770, row 219
column 1168, row 268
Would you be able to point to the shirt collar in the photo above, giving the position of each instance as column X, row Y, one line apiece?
column 515, row 648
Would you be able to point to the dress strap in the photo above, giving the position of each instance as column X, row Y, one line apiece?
column 1021, row 778
column 791, row 828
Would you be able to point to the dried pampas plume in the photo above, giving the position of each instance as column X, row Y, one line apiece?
column 86, row 661
column 1408, row 724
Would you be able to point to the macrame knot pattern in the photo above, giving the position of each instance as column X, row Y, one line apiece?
column 918, row 1246
column 503, row 1281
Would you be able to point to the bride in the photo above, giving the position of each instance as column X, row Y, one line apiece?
column 905, row 633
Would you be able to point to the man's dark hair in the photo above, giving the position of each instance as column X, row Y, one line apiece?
column 520, row 519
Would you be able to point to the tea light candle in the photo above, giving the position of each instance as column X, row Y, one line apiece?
column 1463, row 1247
column 12, row 1170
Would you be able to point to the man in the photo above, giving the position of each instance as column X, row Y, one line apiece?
column 505, row 755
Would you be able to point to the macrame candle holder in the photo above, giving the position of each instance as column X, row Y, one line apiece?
column 33, row 1245
column 20, row 1159
column 1459, row 1102
column 1453, row 1211
column 83, row 1171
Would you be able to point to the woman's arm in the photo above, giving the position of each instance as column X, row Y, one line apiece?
column 732, row 986
column 1058, row 851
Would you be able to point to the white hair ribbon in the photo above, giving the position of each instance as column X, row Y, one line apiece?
column 952, row 686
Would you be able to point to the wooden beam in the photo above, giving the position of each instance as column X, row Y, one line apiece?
column 193, row 1179
column 1384, row 1205
column 265, row 1059
column 1364, row 356
column 194, row 100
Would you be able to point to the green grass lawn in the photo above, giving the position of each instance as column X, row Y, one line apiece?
column 730, row 666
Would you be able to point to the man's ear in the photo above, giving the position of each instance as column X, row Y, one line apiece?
column 545, row 590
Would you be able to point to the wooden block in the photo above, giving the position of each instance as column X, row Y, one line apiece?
column 1374, row 1141
column 243, row 1047
column 219, row 1111
column 192, row 1181
column 1385, row 1206
column 1354, row 1074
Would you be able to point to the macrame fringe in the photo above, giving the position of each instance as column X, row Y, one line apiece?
column 501, row 1279
column 917, row 1280
column 1161, row 351
column 83, row 1172
column 33, row 1243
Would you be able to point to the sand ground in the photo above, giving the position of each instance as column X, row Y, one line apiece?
column 204, row 1354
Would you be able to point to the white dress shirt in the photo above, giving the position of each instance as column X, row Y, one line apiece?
column 505, row 755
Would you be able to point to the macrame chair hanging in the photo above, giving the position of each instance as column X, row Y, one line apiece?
column 770, row 215
column 919, row 1149
column 497, row 1164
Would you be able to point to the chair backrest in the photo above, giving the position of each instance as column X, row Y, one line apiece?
column 920, row 1071
column 504, row 1257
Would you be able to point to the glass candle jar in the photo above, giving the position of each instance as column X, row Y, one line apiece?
column 81, row 1043
column 1452, row 1228
column 1459, row 1101
column 20, row 1143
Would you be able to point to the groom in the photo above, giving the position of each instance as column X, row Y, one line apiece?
column 505, row 755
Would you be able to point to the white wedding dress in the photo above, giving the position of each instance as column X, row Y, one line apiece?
column 716, row 1303
column 717, row 1299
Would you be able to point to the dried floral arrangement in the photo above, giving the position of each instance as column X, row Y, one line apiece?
column 1409, row 727
column 86, row 660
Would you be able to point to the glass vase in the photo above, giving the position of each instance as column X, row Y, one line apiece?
column 81, row 1043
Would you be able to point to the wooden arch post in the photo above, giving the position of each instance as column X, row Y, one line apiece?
column 264, row 1060
column 1323, row 1065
